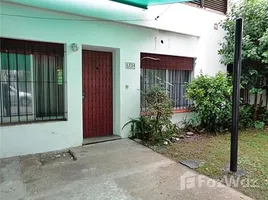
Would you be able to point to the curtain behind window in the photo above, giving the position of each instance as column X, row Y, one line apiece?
column 177, row 91
column 150, row 78
column 48, row 85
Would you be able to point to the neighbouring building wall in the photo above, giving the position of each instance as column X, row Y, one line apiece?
column 127, row 42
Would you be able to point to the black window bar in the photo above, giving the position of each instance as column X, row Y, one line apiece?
column 32, row 82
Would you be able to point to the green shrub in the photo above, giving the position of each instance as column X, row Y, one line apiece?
column 263, row 115
column 192, row 123
column 246, row 117
column 140, row 128
column 155, row 125
column 259, row 125
column 212, row 104
column 246, row 113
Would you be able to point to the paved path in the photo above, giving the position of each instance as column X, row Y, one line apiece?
column 117, row 170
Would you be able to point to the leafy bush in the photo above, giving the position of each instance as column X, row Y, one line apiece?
column 246, row 116
column 213, row 107
column 263, row 115
column 259, row 125
column 192, row 123
column 140, row 128
column 155, row 125
column 211, row 97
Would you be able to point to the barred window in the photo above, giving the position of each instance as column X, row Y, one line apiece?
column 32, row 81
column 175, row 87
column 175, row 71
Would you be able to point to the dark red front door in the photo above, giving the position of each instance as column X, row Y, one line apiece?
column 97, row 92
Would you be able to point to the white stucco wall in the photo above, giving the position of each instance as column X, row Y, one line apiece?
column 126, row 41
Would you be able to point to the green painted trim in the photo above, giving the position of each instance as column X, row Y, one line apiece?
column 132, row 3
column 145, row 3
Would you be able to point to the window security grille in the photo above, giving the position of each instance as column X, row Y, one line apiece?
column 32, row 81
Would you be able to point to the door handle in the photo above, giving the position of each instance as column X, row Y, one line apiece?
column 83, row 95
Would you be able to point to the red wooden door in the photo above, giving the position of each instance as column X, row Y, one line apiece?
column 97, row 92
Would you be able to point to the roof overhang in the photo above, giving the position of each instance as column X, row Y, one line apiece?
column 111, row 11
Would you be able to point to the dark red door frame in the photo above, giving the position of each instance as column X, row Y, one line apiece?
column 97, row 91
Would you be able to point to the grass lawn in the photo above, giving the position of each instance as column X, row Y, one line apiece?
column 215, row 152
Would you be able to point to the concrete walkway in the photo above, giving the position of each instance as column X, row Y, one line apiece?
column 117, row 170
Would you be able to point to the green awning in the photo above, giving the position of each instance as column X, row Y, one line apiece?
column 145, row 3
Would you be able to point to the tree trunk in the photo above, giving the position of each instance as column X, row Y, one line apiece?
column 266, row 100
column 255, row 116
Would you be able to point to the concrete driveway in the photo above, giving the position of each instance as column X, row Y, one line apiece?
column 117, row 170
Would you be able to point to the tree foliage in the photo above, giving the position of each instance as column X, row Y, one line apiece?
column 254, row 46
column 255, row 40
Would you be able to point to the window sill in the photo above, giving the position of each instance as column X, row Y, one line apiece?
column 174, row 111
column 32, row 122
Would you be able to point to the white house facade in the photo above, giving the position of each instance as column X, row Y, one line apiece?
column 74, row 69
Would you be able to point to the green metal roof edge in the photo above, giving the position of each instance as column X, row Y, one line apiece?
column 169, row 2
column 143, row 6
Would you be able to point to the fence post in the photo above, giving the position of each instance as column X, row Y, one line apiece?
column 236, row 93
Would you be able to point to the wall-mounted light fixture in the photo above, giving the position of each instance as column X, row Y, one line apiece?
column 216, row 26
column 75, row 47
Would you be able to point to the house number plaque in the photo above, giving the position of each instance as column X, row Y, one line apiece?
column 130, row 65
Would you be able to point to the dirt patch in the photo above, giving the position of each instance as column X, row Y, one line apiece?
column 194, row 138
column 44, row 159
column 53, row 158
